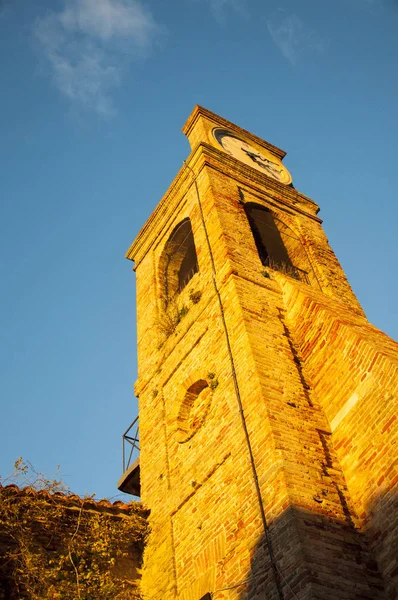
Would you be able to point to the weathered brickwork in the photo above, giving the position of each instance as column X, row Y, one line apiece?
column 353, row 370
column 266, row 404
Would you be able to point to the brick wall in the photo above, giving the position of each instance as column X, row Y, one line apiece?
column 264, row 338
column 353, row 369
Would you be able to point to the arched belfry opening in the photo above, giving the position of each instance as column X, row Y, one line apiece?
column 179, row 261
column 270, row 247
column 278, row 247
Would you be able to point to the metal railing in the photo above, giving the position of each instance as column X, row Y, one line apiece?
column 130, row 444
column 287, row 269
column 188, row 276
column 299, row 274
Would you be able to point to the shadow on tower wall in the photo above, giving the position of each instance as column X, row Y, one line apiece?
column 318, row 556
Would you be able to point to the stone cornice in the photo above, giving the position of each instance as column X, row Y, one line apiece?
column 218, row 121
column 167, row 205
column 265, row 185
column 248, row 178
column 164, row 209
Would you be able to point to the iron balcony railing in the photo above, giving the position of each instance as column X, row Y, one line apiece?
column 130, row 444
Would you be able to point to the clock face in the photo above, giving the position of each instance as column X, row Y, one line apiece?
column 263, row 161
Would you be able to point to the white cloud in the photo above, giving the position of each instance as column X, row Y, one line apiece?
column 292, row 36
column 89, row 44
column 107, row 19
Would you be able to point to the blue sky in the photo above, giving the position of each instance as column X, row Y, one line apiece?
column 93, row 95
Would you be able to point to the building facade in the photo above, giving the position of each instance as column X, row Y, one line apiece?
column 56, row 545
column 267, row 401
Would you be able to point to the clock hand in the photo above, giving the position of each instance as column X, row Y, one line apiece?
column 254, row 155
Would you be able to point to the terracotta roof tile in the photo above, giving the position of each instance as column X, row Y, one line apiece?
column 73, row 500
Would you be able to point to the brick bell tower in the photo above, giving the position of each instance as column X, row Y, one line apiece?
column 267, row 402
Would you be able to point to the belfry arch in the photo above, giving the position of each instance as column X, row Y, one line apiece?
column 178, row 262
column 278, row 246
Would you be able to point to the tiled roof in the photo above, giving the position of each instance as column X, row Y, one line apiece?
column 75, row 501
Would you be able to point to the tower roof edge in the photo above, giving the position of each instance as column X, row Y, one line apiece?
column 201, row 112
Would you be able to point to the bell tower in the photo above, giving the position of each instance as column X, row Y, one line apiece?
column 267, row 401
